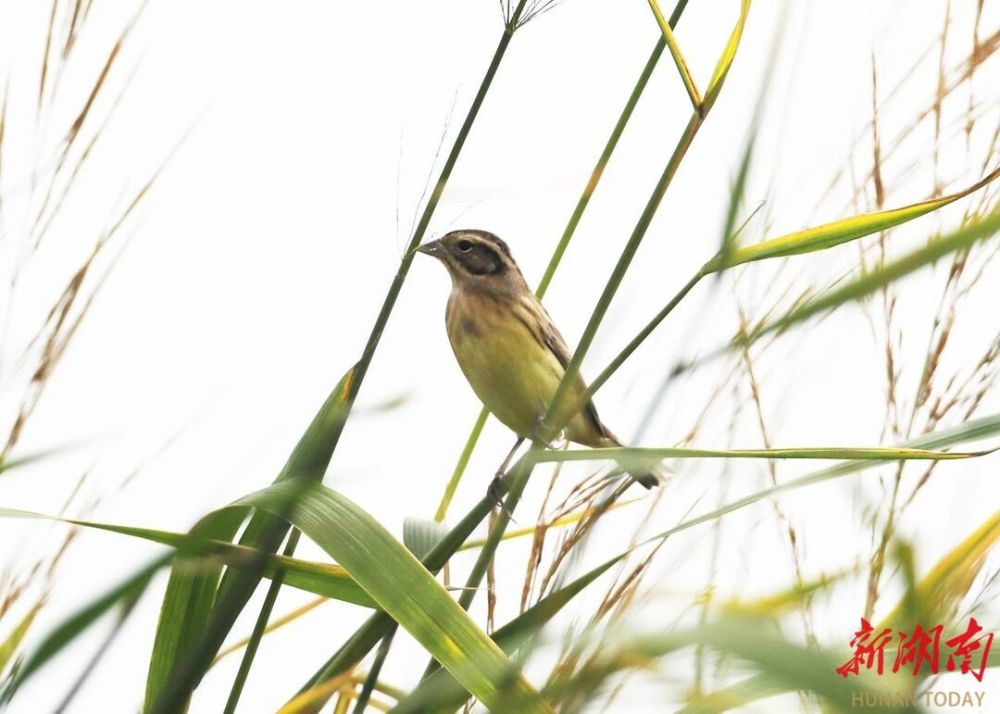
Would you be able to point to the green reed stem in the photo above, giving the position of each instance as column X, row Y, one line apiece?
column 643, row 334
column 523, row 470
column 519, row 474
column 418, row 234
column 624, row 261
column 557, row 255
column 463, row 462
column 372, row 679
column 675, row 51
column 361, row 369
column 366, row 637
column 260, row 626
column 602, row 161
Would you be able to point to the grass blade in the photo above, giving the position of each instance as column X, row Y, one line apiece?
column 379, row 624
column 122, row 595
column 964, row 433
column 892, row 271
column 952, row 576
column 326, row 579
column 675, row 52
column 788, row 666
column 440, row 691
column 185, row 610
column 13, row 641
column 638, row 456
column 398, row 582
column 193, row 599
column 820, row 238
column 940, row 590
column 726, row 59
column 836, row 233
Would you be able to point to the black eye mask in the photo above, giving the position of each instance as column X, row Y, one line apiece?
column 480, row 260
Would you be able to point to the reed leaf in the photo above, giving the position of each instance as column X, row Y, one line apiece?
column 725, row 62
column 184, row 615
column 420, row 536
column 9, row 463
column 379, row 624
column 638, row 456
column 784, row 666
column 868, row 283
column 325, row 579
column 243, row 589
column 838, row 232
column 821, row 238
column 970, row 431
column 949, row 580
column 122, row 595
column 779, row 603
column 937, row 593
column 441, row 692
column 195, row 600
column 10, row 645
column 675, row 53
column 401, row 586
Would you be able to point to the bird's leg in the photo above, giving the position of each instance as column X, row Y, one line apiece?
column 498, row 487
column 506, row 462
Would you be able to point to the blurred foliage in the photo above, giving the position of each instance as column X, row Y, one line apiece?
column 717, row 653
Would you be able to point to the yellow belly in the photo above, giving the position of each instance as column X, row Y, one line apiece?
column 509, row 370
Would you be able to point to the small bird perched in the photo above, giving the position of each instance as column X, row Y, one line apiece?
column 506, row 344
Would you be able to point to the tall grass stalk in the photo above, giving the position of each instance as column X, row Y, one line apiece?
column 567, row 235
column 521, row 472
column 242, row 585
column 212, row 577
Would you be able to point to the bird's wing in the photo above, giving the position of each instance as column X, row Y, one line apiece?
column 557, row 345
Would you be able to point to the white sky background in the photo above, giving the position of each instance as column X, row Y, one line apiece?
column 260, row 258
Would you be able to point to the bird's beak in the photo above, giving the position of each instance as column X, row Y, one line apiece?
column 433, row 249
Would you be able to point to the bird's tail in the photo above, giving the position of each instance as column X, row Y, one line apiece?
column 649, row 477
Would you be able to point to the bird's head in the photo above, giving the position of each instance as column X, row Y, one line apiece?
column 475, row 258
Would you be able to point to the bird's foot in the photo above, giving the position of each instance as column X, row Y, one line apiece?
column 496, row 491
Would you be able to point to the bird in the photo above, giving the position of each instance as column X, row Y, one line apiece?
column 507, row 346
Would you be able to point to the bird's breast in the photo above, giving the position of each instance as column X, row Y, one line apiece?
column 512, row 373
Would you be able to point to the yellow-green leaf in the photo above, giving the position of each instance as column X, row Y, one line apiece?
column 9, row 647
column 185, row 645
column 324, row 579
column 726, row 59
column 639, row 456
column 401, row 586
column 675, row 52
column 869, row 283
column 842, row 231
column 950, row 579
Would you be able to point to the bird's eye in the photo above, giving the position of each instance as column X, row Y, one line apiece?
column 465, row 246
